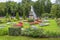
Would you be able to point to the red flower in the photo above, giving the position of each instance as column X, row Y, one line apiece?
column 20, row 24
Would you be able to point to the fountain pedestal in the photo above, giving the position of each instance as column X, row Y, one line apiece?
column 31, row 15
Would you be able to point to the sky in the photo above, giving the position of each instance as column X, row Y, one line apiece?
column 53, row 1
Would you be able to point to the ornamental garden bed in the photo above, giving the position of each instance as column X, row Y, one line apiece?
column 51, row 30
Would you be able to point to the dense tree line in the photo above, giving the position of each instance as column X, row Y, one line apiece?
column 23, row 8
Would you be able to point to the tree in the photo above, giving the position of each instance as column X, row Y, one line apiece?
column 7, row 15
column 39, row 7
column 58, row 11
column 17, row 16
column 48, row 5
column 11, row 7
column 19, row 10
column 54, row 10
column 45, row 15
column 26, row 7
column 2, row 9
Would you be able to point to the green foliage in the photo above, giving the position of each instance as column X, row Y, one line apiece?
column 11, row 7
column 2, row 9
column 30, row 20
column 24, row 16
column 7, row 15
column 26, row 8
column 54, row 10
column 8, row 19
column 1, row 22
column 51, row 34
column 39, row 7
column 23, row 8
column 48, row 6
column 14, row 19
column 14, row 31
column 17, row 16
column 45, row 15
column 58, row 11
column 58, row 21
column 32, row 32
column 3, row 31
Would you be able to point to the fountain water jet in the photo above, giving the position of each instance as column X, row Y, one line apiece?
column 32, row 13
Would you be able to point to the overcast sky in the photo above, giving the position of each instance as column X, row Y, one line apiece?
column 53, row 1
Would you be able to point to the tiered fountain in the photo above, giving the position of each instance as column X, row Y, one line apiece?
column 32, row 14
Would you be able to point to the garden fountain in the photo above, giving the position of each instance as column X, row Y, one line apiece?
column 32, row 14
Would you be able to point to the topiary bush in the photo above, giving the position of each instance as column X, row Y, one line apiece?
column 1, row 22
column 15, row 20
column 7, row 15
column 32, row 32
column 58, row 21
column 45, row 15
column 30, row 20
column 14, row 31
column 17, row 16
column 3, row 31
column 51, row 34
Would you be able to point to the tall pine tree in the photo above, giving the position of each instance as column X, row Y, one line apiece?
column 39, row 7
column 54, row 10
column 48, row 5
column 26, row 7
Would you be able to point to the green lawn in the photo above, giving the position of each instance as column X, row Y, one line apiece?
column 24, row 38
column 53, row 27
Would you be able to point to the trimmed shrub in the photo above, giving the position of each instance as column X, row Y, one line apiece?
column 8, row 20
column 32, row 32
column 14, row 31
column 17, row 16
column 3, row 31
column 1, row 21
column 51, row 34
column 45, row 15
column 7, row 15
column 30, row 20
column 58, row 21
column 48, row 15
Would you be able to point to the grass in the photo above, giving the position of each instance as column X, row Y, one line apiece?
column 53, row 27
column 24, row 38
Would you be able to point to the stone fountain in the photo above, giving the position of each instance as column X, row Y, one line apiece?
column 32, row 14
